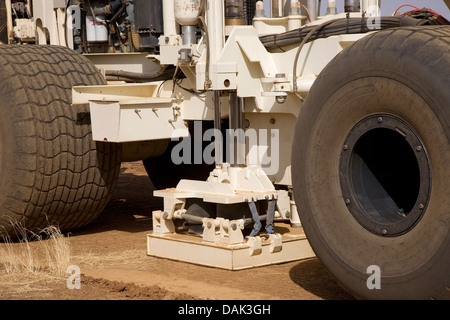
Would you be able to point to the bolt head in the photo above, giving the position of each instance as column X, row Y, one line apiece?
column 280, row 99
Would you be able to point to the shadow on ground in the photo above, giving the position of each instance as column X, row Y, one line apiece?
column 312, row 276
column 130, row 207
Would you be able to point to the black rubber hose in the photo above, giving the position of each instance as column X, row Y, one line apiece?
column 117, row 15
column 336, row 27
column 120, row 75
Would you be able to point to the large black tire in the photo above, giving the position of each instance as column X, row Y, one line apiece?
column 51, row 171
column 164, row 173
column 371, row 165
column 3, row 23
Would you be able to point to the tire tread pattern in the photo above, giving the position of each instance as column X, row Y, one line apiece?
column 61, row 175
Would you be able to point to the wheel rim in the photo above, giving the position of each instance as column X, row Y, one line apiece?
column 385, row 175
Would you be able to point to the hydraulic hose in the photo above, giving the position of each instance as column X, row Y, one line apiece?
column 117, row 15
column 334, row 27
column 120, row 75
column 304, row 41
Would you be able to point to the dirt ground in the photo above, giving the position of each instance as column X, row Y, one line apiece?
column 111, row 254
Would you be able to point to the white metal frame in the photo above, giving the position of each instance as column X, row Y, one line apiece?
column 236, row 61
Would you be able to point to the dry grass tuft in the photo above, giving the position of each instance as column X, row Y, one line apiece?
column 33, row 258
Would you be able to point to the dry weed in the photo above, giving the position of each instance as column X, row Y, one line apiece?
column 33, row 258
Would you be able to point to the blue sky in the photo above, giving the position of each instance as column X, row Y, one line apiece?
column 388, row 7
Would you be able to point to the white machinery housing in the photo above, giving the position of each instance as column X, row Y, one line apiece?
column 273, row 131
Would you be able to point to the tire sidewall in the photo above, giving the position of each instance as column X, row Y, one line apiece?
column 413, row 264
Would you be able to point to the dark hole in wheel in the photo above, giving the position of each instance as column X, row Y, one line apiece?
column 385, row 175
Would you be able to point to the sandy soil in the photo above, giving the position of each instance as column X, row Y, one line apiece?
column 111, row 254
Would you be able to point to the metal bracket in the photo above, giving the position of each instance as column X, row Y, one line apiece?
column 255, row 245
column 276, row 243
column 223, row 230
column 161, row 223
